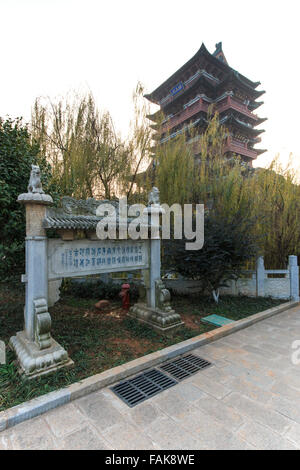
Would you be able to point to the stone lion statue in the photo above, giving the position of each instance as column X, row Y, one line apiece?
column 35, row 185
column 154, row 197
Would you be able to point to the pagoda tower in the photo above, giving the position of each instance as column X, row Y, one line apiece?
column 205, row 80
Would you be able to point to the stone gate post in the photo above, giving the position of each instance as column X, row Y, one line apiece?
column 36, row 350
column 36, row 259
column 260, row 277
column 294, row 278
column 156, row 311
column 155, row 252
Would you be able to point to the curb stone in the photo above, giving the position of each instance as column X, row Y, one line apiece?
column 44, row 403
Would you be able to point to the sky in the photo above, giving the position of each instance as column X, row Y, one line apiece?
column 49, row 47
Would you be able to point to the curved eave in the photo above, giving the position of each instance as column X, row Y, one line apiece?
column 235, row 77
column 260, row 151
column 225, row 66
column 155, row 117
column 255, row 105
column 232, row 120
column 254, row 140
column 260, row 121
column 259, row 93
column 255, row 121
column 149, row 98
column 246, row 80
column 155, row 96
column 164, row 88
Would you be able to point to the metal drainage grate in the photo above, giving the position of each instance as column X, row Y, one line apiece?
column 185, row 366
column 142, row 387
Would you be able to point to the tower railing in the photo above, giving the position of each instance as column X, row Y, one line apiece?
column 181, row 116
column 236, row 146
column 231, row 103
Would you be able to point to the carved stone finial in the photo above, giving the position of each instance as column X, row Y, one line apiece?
column 35, row 185
column 154, row 197
column 35, row 192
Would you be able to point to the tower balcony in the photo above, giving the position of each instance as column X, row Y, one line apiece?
column 240, row 148
column 185, row 114
column 201, row 105
column 232, row 103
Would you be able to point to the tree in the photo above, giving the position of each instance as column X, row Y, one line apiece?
column 227, row 247
column 276, row 206
column 220, row 180
column 209, row 177
column 175, row 171
column 17, row 154
column 136, row 182
column 269, row 196
column 109, row 155
column 88, row 156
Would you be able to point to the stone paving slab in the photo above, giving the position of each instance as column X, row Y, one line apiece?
column 249, row 399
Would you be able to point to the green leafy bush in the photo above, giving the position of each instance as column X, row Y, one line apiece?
column 228, row 245
column 17, row 154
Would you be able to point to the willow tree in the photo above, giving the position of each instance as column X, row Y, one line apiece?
column 276, row 205
column 175, row 171
column 219, row 180
column 209, row 177
column 111, row 156
column 88, row 157
column 136, row 181
column 270, row 197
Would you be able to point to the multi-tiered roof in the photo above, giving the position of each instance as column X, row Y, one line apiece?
column 207, row 79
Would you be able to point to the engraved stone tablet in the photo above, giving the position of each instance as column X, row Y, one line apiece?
column 86, row 257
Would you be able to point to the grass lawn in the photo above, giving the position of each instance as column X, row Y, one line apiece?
column 99, row 341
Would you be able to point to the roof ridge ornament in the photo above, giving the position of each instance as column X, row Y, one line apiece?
column 219, row 54
column 88, row 206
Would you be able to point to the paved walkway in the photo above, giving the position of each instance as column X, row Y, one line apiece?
column 249, row 399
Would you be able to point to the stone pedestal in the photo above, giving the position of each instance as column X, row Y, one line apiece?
column 36, row 350
column 34, row 361
column 166, row 323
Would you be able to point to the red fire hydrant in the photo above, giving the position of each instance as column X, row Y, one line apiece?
column 124, row 294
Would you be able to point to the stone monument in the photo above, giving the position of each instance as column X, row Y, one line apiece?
column 79, row 252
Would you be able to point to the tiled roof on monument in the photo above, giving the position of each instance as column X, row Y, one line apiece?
column 77, row 214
